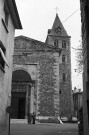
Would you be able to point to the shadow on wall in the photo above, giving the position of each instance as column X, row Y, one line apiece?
column 80, row 122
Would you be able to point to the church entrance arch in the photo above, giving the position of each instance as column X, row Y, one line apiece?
column 21, row 94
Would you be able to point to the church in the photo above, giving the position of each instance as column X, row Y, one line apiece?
column 41, row 79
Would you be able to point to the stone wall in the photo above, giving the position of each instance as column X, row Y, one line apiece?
column 85, row 42
column 65, row 86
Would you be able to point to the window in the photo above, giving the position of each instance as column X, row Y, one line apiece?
column 63, row 44
column 2, row 56
column 6, row 10
column 63, row 58
column 64, row 77
column 58, row 30
column 56, row 42
column 59, row 91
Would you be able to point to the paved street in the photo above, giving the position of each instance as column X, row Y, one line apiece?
column 43, row 129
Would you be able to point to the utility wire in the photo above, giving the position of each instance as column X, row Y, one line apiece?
column 70, row 16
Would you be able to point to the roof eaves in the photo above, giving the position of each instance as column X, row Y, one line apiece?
column 59, row 35
column 14, row 13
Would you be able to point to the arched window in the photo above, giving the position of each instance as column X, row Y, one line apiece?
column 64, row 77
column 63, row 44
column 58, row 30
column 56, row 42
column 63, row 58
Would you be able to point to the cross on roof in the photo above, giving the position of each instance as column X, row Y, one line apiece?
column 56, row 9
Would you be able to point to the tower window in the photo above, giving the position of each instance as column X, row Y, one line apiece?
column 59, row 91
column 56, row 42
column 63, row 44
column 63, row 58
column 64, row 77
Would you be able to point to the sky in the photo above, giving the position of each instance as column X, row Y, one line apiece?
column 37, row 16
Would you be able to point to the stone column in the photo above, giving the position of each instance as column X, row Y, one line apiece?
column 26, row 104
column 29, row 97
column 32, row 100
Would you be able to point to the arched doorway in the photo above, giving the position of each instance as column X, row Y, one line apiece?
column 20, row 94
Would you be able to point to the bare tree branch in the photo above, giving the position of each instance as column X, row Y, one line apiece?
column 79, row 58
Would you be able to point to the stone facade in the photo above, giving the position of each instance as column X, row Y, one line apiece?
column 45, row 63
column 7, row 30
column 84, row 4
column 41, row 62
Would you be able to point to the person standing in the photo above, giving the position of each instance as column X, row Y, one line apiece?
column 29, row 118
column 33, row 117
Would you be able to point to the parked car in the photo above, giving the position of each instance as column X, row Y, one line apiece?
column 64, row 119
column 74, row 120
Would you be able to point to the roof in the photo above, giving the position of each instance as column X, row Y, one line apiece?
column 57, row 28
column 14, row 13
column 32, row 44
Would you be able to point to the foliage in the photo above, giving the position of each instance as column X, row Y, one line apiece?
column 79, row 59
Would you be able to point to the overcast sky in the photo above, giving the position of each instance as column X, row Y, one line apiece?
column 37, row 16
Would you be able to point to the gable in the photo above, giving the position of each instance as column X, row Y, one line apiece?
column 25, row 43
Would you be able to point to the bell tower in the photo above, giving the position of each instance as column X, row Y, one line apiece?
column 56, row 33
column 58, row 38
